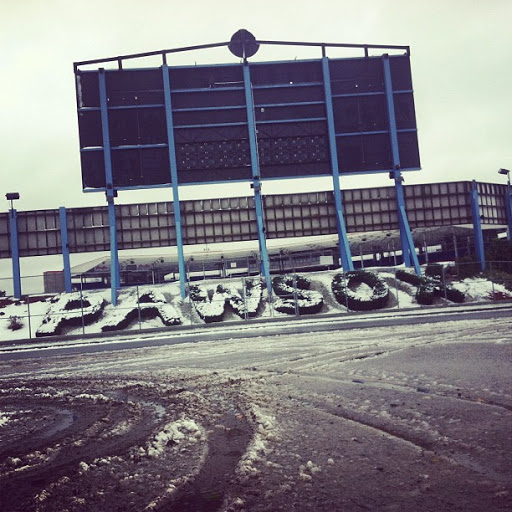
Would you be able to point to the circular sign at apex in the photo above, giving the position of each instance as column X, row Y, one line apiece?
column 243, row 44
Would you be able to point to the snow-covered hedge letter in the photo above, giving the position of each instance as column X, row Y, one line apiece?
column 291, row 289
column 210, row 303
column 67, row 310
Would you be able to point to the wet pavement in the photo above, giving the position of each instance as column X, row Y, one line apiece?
column 388, row 418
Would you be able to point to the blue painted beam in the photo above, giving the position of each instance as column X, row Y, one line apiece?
column 408, row 250
column 377, row 132
column 283, row 86
column 293, row 120
column 173, row 164
column 110, row 191
column 15, row 253
column 64, row 243
column 344, row 247
column 209, row 109
column 114, row 258
column 205, row 89
column 256, row 183
column 207, row 125
column 376, row 93
column 508, row 207
column 289, row 104
column 477, row 225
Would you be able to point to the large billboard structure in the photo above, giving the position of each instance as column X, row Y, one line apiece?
column 211, row 126
column 175, row 125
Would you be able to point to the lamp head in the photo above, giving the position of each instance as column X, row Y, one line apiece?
column 504, row 171
column 11, row 196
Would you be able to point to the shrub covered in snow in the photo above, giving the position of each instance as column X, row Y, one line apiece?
column 503, row 278
column 252, row 292
column 151, row 304
column 426, row 285
column 434, row 270
column 210, row 304
column 426, row 292
column 293, row 291
column 247, row 303
column 408, row 277
column 70, row 310
column 430, row 285
column 14, row 323
column 345, row 289
column 455, row 295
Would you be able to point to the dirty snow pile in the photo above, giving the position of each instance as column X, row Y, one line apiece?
column 173, row 433
column 259, row 447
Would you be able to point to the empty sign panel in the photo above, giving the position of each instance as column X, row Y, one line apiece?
column 206, row 109
column 360, row 114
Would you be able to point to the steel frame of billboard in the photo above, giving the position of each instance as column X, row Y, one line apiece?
column 334, row 139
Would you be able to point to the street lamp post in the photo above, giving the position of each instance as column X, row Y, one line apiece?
column 15, row 253
column 508, row 203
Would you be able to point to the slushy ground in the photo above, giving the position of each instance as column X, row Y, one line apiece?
column 405, row 418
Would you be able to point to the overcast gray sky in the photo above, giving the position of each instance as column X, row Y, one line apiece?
column 461, row 64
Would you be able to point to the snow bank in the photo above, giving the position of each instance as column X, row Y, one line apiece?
column 259, row 447
column 479, row 289
column 173, row 433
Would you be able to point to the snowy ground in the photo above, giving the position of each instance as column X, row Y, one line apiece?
column 394, row 418
column 402, row 296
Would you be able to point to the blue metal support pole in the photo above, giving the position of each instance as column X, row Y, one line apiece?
column 508, row 207
column 256, row 183
column 174, row 179
column 403, row 225
column 408, row 250
column 344, row 247
column 477, row 225
column 15, row 253
column 110, row 191
column 63, row 218
column 114, row 259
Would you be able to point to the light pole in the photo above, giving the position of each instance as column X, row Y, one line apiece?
column 508, row 203
column 506, row 172
column 15, row 253
column 12, row 196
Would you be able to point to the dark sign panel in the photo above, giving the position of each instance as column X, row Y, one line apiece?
column 210, row 126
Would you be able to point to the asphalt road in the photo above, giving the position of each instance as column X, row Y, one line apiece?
column 381, row 413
